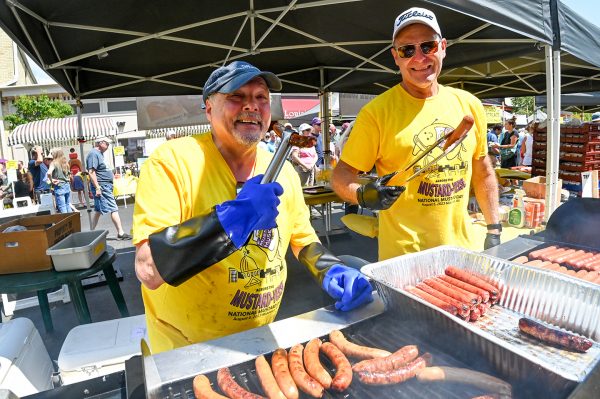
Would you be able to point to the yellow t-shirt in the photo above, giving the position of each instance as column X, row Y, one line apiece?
column 390, row 132
column 187, row 177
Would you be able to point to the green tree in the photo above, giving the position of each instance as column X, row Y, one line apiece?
column 523, row 105
column 31, row 108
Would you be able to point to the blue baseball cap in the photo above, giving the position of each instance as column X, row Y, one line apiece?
column 229, row 78
column 315, row 121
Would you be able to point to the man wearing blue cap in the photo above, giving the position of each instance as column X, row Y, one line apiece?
column 210, row 239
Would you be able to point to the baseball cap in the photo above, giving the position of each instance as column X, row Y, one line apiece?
column 415, row 15
column 103, row 138
column 229, row 78
column 48, row 156
column 304, row 127
column 345, row 126
column 596, row 117
column 288, row 126
column 315, row 121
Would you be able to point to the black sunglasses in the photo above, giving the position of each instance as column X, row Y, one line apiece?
column 409, row 50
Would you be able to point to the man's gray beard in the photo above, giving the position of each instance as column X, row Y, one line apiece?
column 246, row 140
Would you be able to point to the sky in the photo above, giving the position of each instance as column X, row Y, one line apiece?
column 585, row 8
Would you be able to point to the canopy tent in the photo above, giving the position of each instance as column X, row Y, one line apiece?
column 588, row 100
column 55, row 132
column 116, row 49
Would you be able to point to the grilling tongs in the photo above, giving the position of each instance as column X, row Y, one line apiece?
column 289, row 139
column 453, row 139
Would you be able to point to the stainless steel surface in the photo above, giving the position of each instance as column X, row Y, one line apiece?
column 556, row 299
column 279, row 158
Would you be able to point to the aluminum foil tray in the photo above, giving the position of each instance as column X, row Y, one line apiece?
column 526, row 291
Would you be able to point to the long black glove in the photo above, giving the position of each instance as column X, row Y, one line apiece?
column 376, row 195
column 491, row 240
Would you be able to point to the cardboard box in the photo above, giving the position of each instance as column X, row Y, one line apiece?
column 25, row 251
column 536, row 188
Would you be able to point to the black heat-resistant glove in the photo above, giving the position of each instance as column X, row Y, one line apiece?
column 376, row 195
column 491, row 240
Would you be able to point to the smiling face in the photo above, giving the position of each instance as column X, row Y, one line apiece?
column 419, row 72
column 240, row 117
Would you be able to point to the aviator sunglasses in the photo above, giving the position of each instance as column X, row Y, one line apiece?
column 409, row 50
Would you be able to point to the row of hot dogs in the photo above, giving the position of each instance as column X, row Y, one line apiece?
column 460, row 292
column 301, row 370
column 577, row 263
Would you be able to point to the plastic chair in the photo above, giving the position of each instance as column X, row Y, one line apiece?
column 20, row 202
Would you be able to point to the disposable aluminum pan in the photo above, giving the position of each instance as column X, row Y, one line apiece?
column 526, row 291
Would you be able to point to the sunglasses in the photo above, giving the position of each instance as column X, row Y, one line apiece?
column 409, row 50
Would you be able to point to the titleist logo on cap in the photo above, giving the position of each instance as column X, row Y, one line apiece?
column 411, row 14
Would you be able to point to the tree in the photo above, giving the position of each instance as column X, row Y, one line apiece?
column 30, row 108
column 523, row 105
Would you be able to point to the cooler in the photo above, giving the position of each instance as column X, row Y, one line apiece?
column 25, row 366
column 101, row 348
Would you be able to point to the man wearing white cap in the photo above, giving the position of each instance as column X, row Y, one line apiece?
column 101, row 184
column 396, row 127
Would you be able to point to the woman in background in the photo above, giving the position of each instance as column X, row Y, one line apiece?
column 60, row 176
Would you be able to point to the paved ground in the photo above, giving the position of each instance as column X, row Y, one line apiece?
column 301, row 293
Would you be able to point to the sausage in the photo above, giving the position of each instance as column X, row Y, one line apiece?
column 485, row 295
column 232, row 388
column 483, row 308
column 590, row 276
column 553, row 254
column 521, row 259
column 472, row 279
column 463, row 308
column 267, row 379
column 304, row 381
column 572, row 254
column 203, row 390
column 397, row 375
column 353, row 350
column 281, row 372
column 552, row 266
column 582, row 262
column 535, row 254
column 554, row 335
column 399, row 358
column 475, row 314
column 461, row 130
column 452, row 291
column 465, row 376
column 343, row 373
column 581, row 274
column 583, row 255
column 313, row 365
column 557, row 257
column 432, row 300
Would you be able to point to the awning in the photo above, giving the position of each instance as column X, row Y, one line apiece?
column 56, row 132
column 180, row 131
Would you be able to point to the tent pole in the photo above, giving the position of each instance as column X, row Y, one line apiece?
column 553, row 126
column 81, row 139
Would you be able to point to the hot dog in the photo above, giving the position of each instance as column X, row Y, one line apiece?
column 582, row 262
column 535, row 254
column 353, row 350
column 463, row 308
column 572, row 254
column 453, row 291
column 535, row 262
column 472, row 279
column 584, row 255
column 557, row 257
column 475, row 314
column 465, row 376
column 343, row 374
column 281, row 372
column 304, row 381
column 395, row 376
column 313, row 364
column 461, row 130
column 521, row 259
column 203, row 390
column 232, row 388
column 554, row 335
column 432, row 300
column 267, row 379
column 553, row 254
column 485, row 295
column 399, row 358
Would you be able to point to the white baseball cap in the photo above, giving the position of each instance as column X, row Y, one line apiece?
column 103, row 138
column 304, row 126
column 415, row 15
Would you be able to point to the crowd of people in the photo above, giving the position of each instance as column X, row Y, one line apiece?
column 510, row 147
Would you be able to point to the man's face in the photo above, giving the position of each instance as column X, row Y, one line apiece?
column 103, row 146
column 332, row 129
column 316, row 129
column 419, row 72
column 497, row 131
column 243, row 115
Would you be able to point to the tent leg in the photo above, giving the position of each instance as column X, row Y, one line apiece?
column 84, row 173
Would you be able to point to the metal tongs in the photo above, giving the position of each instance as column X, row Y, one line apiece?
column 289, row 139
column 451, row 140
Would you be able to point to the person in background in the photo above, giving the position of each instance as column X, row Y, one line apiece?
column 508, row 145
column 520, row 138
column 527, row 147
column 76, row 167
column 398, row 125
column 211, row 239
column 316, row 132
column 101, row 182
column 170, row 134
column 263, row 143
column 59, row 175
column 38, row 167
column 23, row 186
column 492, row 139
column 272, row 143
column 304, row 159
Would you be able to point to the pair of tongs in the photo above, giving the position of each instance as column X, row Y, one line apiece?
column 289, row 139
column 452, row 140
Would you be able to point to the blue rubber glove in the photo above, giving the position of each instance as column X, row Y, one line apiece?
column 254, row 208
column 349, row 287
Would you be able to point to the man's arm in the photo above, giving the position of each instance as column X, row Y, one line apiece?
column 145, row 269
column 40, row 157
column 485, row 186
column 94, row 180
column 344, row 182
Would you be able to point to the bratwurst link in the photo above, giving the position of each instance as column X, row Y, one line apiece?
column 395, row 376
column 232, row 388
column 554, row 335
column 353, row 350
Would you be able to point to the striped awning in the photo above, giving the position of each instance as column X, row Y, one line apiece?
column 180, row 131
column 56, row 132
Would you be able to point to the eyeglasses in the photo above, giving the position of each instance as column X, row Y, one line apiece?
column 409, row 50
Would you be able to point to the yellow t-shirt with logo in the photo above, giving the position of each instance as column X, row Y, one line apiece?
column 390, row 132
column 187, row 177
